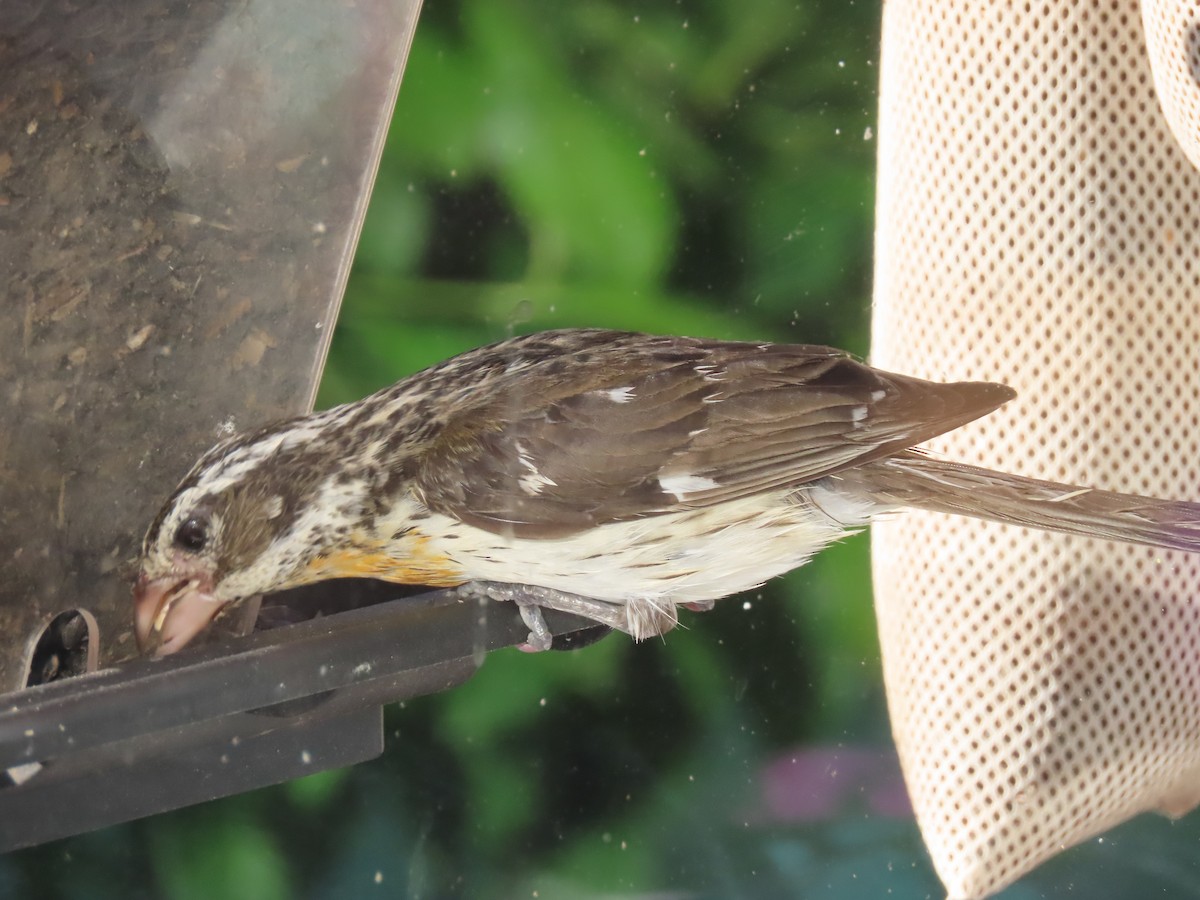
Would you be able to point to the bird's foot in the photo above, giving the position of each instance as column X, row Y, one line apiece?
column 532, row 599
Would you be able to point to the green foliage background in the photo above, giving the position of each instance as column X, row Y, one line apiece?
column 700, row 167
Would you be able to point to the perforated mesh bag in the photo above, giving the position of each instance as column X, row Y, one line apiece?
column 1038, row 225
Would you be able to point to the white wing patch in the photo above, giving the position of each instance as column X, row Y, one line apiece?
column 619, row 395
column 681, row 485
column 532, row 481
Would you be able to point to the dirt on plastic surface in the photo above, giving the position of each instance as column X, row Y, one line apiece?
column 174, row 222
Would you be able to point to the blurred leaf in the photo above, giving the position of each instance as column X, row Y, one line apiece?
column 809, row 235
column 499, row 310
column 833, row 609
column 747, row 41
column 440, row 110
column 315, row 792
column 478, row 712
column 219, row 854
column 592, row 201
column 375, row 858
column 393, row 236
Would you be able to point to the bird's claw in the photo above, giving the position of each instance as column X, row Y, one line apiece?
column 532, row 599
column 540, row 637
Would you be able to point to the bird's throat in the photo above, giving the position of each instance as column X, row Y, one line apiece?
column 407, row 560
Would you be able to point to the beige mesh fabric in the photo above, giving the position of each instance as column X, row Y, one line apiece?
column 1173, row 44
column 1039, row 224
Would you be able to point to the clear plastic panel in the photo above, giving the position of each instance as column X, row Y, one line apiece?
column 181, row 188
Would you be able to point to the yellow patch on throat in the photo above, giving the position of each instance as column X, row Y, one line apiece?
column 407, row 561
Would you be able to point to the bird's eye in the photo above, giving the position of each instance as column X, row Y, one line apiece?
column 192, row 535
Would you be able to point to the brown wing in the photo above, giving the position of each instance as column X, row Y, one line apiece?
column 645, row 426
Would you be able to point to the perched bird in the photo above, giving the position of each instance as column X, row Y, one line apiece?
column 609, row 474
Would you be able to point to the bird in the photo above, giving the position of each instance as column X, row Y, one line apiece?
column 611, row 474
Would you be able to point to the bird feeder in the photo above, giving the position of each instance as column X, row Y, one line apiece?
column 181, row 189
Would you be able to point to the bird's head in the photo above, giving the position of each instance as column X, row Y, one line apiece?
column 227, row 533
column 177, row 594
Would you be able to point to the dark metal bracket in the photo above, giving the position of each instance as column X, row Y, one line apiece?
column 226, row 718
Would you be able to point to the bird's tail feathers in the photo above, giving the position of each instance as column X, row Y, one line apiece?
column 920, row 482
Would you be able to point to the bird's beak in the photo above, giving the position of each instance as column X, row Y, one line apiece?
column 170, row 611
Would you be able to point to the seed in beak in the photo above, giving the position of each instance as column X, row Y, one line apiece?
column 169, row 600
